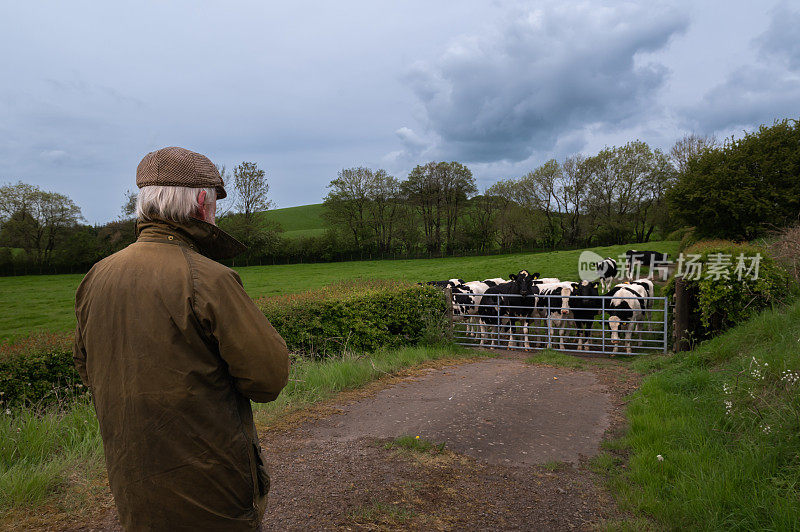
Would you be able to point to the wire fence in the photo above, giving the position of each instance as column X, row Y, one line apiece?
column 589, row 324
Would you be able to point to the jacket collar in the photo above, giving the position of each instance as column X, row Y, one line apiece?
column 198, row 235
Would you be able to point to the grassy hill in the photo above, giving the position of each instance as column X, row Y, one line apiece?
column 44, row 302
column 305, row 220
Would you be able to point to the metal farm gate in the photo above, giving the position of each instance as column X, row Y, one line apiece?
column 513, row 322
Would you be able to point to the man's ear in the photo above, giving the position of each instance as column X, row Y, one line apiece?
column 201, row 205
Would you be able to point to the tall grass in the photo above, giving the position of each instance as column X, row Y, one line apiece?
column 44, row 451
column 725, row 421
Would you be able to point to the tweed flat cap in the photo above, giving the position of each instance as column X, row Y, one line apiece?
column 179, row 167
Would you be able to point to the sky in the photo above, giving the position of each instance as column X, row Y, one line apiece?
column 305, row 88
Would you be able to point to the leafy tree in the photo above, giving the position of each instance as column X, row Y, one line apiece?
column 439, row 192
column 129, row 205
column 35, row 220
column 252, row 188
column 744, row 188
column 347, row 203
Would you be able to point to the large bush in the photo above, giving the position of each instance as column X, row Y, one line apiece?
column 747, row 187
column 356, row 316
column 720, row 302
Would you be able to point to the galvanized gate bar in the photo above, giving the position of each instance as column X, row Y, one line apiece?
column 473, row 331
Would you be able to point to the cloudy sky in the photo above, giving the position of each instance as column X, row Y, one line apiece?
column 307, row 88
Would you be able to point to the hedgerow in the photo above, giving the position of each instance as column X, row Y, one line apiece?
column 723, row 301
column 37, row 369
column 353, row 316
column 357, row 316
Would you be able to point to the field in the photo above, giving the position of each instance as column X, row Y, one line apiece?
column 305, row 220
column 32, row 303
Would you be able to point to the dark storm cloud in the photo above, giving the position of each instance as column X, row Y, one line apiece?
column 545, row 74
column 780, row 40
column 758, row 93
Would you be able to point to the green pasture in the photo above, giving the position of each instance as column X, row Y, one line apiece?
column 31, row 303
column 305, row 220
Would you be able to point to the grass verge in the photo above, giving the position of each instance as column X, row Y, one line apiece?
column 714, row 437
column 51, row 460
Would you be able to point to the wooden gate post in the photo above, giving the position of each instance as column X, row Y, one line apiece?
column 448, row 295
column 681, row 329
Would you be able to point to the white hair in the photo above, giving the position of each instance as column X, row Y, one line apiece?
column 171, row 203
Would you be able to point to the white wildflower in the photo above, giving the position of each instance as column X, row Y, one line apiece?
column 766, row 428
column 8, row 411
column 660, row 458
column 728, row 407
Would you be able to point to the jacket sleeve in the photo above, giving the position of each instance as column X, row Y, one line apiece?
column 256, row 354
column 79, row 356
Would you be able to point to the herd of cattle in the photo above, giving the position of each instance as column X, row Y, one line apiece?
column 528, row 303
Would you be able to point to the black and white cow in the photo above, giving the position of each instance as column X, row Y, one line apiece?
column 585, row 309
column 606, row 271
column 500, row 305
column 552, row 306
column 494, row 281
column 647, row 284
column 466, row 298
column 651, row 259
column 626, row 309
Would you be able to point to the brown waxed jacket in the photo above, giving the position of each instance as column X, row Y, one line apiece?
column 173, row 350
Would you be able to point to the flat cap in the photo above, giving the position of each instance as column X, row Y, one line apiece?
column 179, row 167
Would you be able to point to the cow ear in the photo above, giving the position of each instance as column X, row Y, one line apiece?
column 536, row 275
column 512, row 276
column 595, row 284
column 575, row 286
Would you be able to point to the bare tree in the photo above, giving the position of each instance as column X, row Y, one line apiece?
column 688, row 148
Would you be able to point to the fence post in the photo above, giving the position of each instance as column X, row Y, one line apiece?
column 448, row 295
column 681, row 316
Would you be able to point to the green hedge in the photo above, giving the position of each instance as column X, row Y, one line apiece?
column 37, row 370
column 357, row 316
column 719, row 304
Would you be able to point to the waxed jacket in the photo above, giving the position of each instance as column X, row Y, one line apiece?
column 173, row 351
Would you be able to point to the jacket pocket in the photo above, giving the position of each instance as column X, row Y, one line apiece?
column 262, row 476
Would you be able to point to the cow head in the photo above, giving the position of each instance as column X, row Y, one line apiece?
column 583, row 289
column 523, row 283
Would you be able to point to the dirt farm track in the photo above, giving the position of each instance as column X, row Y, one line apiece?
column 517, row 440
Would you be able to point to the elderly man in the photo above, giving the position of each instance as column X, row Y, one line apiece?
column 174, row 350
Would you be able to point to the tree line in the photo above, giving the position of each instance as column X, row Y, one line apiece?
column 738, row 189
